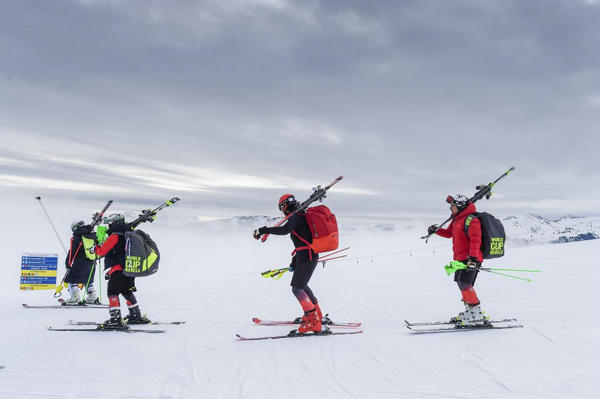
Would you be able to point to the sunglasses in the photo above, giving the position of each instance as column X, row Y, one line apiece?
column 284, row 205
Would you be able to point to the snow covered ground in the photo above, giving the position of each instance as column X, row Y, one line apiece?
column 212, row 280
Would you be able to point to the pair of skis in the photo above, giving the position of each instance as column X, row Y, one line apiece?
column 432, row 327
column 127, row 329
column 326, row 331
column 62, row 305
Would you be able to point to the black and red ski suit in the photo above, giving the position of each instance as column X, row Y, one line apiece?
column 113, row 251
column 304, row 260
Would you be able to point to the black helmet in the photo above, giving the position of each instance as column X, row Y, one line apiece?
column 77, row 224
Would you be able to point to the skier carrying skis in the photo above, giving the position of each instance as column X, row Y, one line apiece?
column 79, row 267
column 113, row 250
column 466, row 246
column 304, row 261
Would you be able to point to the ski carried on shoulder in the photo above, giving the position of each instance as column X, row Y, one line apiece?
column 442, row 323
column 154, row 323
column 433, row 330
column 296, row 334
column 98, row 329
column 326, row 322
column 61, row 306
column 319, row 193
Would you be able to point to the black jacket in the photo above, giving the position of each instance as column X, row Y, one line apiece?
column 80, row 265
column 296, row 223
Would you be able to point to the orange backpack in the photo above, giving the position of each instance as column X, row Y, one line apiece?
column 324, row 229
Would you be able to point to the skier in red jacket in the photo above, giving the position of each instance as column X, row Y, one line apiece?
column 466, row 245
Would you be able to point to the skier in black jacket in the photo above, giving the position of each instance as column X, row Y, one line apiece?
column 303, row 263
column 79, row 267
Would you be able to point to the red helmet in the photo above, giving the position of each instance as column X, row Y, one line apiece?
column 287, row 203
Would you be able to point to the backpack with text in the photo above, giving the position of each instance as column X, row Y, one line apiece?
column 141, row 254
column 492, row 234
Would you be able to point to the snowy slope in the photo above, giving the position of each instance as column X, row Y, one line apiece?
column 213, row 281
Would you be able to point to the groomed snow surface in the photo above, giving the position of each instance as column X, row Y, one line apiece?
column 213, row 282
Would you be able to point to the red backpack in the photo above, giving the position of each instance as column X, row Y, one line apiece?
column 324, row 229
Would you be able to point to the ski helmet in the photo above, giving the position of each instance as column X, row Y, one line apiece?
column 77, row 224
column 459, row 200
column 287, row 203
column 114, row 218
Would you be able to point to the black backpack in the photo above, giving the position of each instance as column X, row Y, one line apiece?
column 141, row 254
column 493, row 236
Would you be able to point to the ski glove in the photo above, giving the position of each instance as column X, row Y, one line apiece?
column 473, row 263
column 259, row 232
column 110, row 271
column 432, row 229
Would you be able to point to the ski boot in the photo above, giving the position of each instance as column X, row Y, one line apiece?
column 326, row 320
column 461, row 315
column 136, row 317
column 310, row 323
column 115, row 322
column 75, row 299
column 473, row 317
column 92, row 297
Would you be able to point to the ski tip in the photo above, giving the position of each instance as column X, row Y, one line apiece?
column 256, row 320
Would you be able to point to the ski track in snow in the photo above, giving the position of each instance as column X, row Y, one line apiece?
column 556, row 355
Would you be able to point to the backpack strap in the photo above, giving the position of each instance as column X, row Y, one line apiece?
column 307, row 247
column 468, row 221
column 71, row 256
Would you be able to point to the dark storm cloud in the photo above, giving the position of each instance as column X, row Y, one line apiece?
column 231, row 102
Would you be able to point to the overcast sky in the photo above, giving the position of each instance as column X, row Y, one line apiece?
column 228, row 104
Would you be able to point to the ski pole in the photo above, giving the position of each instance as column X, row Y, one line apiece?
column 100, row 281
column 508, row 275
column 487, row 269
column 92, row 271
column 275, row 274
column 336, row 252
column 51, row 223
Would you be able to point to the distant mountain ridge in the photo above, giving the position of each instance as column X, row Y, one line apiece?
column 533, row 228
column 523, row 230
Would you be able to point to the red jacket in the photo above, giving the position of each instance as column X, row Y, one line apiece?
column 464, row 245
